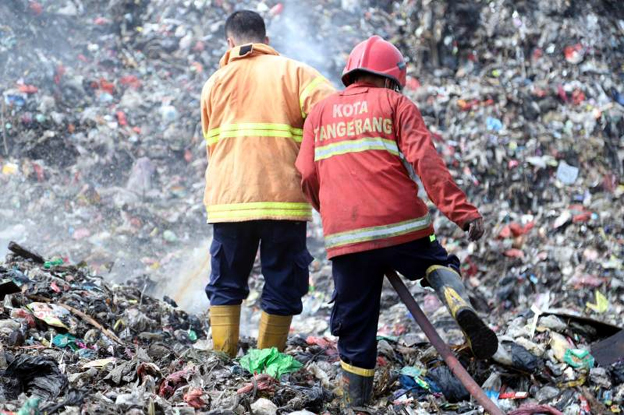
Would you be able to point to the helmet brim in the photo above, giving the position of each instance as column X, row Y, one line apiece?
column 346, row 77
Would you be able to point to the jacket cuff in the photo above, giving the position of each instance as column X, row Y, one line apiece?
column 464, row 223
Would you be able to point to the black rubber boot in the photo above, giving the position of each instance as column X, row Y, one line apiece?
column 357, row 390
column 449, row 287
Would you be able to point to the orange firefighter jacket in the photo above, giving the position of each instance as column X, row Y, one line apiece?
column 252, row 112
column 353, row 173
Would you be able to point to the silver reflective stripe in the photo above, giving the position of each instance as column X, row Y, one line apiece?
column 355, row 146
column 377, row 232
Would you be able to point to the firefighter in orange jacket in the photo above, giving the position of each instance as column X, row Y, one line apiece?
column 252, row 113
column 351, row 162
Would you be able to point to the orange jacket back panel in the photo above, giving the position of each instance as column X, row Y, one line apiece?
column 353, row 174
column 252, row 112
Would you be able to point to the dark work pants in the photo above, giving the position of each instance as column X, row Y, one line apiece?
column 283, row 256
column 358, row 280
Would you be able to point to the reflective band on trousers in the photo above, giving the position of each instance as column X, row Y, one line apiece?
column 355, row 146
column 376, row 232
column 286, row 210
column 253, row 130
column 308, row 90
column 357, row 370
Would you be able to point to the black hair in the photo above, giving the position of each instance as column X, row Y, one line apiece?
column 359, row 74
column 246, row 26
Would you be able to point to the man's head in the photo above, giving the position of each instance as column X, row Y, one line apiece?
column 245, row 26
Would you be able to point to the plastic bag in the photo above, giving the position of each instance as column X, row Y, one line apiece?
column 269, row 361
column 39, row 376
column 579, row 358
column 448, row 384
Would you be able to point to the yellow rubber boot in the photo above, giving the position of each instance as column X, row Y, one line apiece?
column 224, row 321
column 357, row 385
column 273, row 331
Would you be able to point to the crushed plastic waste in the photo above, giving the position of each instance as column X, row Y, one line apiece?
column 102, row 162
column 269, row 361
column 579, row 358
column 36, row 375
column 445, row 382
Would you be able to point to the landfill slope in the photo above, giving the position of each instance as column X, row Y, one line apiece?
column 102, row 164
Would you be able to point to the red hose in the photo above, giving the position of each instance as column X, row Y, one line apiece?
column 442, row 348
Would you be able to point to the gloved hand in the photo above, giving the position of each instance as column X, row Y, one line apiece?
column 475, row 229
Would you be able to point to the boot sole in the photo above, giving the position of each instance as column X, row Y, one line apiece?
column 483, row 341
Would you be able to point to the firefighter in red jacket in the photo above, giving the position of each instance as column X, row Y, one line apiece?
column 351, row 161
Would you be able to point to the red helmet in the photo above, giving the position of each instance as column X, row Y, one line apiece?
column 378, row 57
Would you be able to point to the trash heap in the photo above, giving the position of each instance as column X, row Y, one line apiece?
column 71, row 342
column 100, row 125
column 102, row 162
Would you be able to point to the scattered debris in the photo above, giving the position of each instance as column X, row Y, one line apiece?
column 102, row 165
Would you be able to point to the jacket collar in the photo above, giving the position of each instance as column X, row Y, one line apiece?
column 358, row 88
column 246, row 51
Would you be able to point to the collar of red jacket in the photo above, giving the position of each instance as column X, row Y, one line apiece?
column 358, row 87
column 246, row 51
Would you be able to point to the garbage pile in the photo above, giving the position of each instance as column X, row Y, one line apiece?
column 102, row 163
column 100, row 129
column 71, row 342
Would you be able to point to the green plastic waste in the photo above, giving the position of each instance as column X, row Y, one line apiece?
column 192, row 335
column 53, row 263
column 579, row 358
column 269, row 361
column 65, row 340
column 31, row 407
column 387, row 337
column 416, row 374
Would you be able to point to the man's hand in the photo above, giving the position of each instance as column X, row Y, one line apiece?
column 475, row 229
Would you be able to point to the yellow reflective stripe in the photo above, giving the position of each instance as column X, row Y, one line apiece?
column 241, row 214
column 436, row 267
column 390, row 143
column 254, row 126
column 260, row 209
column 377, row 232
column 308, row 90
column 258, row 205
column 355, row 146
column 253, row 130
column 255, row 133
column 357, row 370
column 261, row 212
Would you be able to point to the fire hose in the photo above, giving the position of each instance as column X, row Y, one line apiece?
column 458, row 370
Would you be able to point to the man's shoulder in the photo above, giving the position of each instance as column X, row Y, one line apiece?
column 396, row 98
column 293, row 64
column 214, row 79
column 219, row 73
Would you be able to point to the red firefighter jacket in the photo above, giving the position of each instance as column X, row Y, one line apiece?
column 353, row 174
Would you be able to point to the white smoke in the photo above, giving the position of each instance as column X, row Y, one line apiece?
column 294, row 35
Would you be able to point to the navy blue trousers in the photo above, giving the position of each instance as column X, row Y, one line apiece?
column 358, row 280
column 283, row 256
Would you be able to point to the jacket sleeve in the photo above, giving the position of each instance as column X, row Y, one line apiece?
column 313, row 87
column 415, row 143
column 307, row 167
